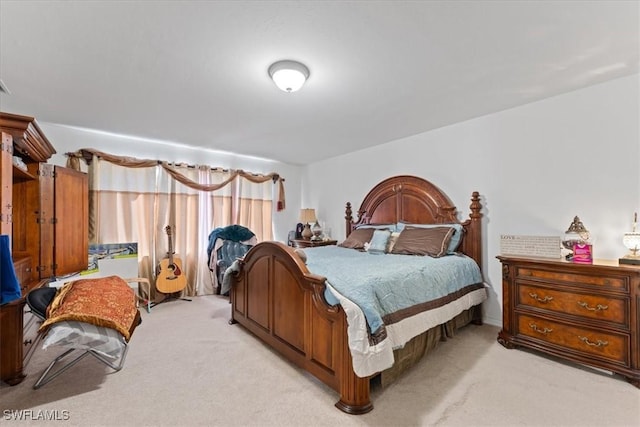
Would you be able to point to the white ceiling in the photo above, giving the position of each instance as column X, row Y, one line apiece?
column 195, row 72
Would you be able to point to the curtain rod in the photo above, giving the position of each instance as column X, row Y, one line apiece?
column 276, row 176
column 196, row 166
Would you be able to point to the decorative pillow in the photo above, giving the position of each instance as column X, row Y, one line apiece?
column 392, row 241
column 379, row 241
column 455, row 239
column 358, row 238
column 390, row 227
column 423, row 241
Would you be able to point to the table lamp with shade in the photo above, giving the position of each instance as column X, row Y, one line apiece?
column 631, row 240
column 307, row 217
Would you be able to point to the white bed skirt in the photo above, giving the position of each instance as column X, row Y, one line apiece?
column 367, row 359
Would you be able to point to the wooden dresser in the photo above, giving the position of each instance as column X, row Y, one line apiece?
column 308, row 243
column 44, row 210
column 586, row 313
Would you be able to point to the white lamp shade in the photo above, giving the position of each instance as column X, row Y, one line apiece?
column 289, row 76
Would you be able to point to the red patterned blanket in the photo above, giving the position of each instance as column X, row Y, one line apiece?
column 105, row 301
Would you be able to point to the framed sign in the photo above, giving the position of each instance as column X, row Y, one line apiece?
column 535, row 246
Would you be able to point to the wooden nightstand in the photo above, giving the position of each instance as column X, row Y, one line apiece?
column 306, row 243
column 586, row 313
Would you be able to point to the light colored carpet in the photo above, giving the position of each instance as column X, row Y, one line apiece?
column 187, row 366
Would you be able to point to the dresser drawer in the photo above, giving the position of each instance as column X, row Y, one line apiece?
column 22, row 266
column 30, row 335
column 575, row 279
column 606, row 346
column 591, row 306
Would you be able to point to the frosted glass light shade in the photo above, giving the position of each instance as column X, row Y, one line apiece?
column 289, row 76
column 632, row 242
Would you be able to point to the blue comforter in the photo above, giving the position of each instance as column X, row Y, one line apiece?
column 389, row 286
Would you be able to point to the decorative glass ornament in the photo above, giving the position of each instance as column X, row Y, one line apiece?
column 576, row 234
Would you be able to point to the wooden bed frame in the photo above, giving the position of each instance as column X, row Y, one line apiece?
column 276, row 298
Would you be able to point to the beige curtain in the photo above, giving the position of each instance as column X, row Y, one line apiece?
column 254, row 208
column 123, row 209
column 136, row 204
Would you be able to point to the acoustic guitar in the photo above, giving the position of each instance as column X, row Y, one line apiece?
column 170, row 277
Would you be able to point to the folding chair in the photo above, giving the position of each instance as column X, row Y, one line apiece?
column 107, row 345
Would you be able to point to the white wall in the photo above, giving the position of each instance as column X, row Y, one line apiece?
column 68, row 139
column 535, row 166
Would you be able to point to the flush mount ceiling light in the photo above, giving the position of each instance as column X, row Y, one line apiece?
column 288, row 75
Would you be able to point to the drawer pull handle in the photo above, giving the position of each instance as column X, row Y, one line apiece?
column 546, row 299
column 544, row 331
column 598, row 307
column 27, row 342
column 599, row 343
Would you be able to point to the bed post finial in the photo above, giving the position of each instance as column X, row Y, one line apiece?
column 348, row 216
column 474, row 248
column 476, row 206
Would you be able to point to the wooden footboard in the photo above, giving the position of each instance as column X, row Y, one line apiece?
column 276, row 298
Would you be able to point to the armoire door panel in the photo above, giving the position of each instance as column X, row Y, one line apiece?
column 44, row 217
column 71, row 220
column 6, row 188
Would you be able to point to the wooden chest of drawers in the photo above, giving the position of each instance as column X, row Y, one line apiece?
column 307, row 243
column 586, row 313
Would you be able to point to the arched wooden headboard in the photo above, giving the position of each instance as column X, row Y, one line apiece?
column 414, row 200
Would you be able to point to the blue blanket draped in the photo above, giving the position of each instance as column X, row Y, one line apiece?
column 384, row 284
column 9, row 286
column 235, row 232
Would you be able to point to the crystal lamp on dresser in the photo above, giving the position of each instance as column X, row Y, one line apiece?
column 585, row 313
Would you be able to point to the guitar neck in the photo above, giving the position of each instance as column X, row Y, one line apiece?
column 170, row 253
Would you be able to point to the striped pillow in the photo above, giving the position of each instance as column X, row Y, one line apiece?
column 423, row 241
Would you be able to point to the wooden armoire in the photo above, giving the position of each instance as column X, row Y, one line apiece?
column 44, row 209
